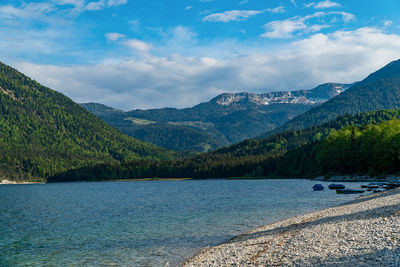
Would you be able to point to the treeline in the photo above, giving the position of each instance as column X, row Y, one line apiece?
column 327, row 149
column 199, row 167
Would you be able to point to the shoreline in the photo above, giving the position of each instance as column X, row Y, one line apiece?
column 357, row 178
column 337, row 178
column 7, row 182
column 363, row 231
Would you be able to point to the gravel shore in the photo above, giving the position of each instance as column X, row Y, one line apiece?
column 5, row 181
column 364, row 232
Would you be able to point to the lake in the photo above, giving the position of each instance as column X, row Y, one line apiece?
column 150, row 223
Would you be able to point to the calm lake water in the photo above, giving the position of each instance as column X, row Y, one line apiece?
column 152, row 223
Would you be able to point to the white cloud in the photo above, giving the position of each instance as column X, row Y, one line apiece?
column 70, row 2
column 233, row 15
column 286, row 28
column 180, row 34
column 309, row 4
column 239, row 15
column 182, row 81
column 47, row 29
column 91, row 6
column 114, row 36
column 347, row 17
column 283, row 28
column 301, row 25
column 279, row 9
column 101, row 4
column 293, row 2
column 20, row 34
column 138, row 45
column 317, row 28
column 78, row 4
column 322, row 4
column 116, row 2
column 25, row 11
column 387, row 23
column 38, row 10
column 326, row 4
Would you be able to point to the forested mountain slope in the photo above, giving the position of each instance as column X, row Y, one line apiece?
column 295, row 138
column 372, row 150
column 43, row 132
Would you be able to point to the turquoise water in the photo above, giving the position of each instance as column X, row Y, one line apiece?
column 152, row 223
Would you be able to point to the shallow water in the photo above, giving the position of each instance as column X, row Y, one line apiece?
column 152, row 223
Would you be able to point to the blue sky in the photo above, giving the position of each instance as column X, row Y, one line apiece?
column 146, row 54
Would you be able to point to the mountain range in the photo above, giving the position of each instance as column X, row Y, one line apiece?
column 228, row 118
column 45, row 135
column 364, row 143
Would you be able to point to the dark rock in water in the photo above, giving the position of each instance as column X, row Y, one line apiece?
column 336, row 186
column 349, row 191
column 318, row 187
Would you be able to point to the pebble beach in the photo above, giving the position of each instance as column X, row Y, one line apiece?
column 364, row 232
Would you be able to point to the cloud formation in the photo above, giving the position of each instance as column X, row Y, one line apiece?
column 50, row 30
column 114, row 36
column 40, row 10
column 323, row 4
column 301, row 25
column 138, row 45
column 239, row 15
column 98, row 5
column 137, row 65
column 26, row 11
column 279, row 9
column 233, row 15
column 387, row 23
column 182, row 81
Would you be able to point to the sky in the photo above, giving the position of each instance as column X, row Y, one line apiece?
column 131, row 54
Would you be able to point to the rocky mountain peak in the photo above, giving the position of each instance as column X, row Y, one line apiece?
column 317, row 95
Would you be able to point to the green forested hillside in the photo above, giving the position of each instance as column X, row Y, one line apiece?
column 282, row 142
column 380, row 90
column 43, row 132
column 373, row 149
column 176, row 137
column 268, row 157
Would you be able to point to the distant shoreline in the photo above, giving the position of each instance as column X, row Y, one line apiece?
column 357, row 178
column 5, row 181
column 9, row 182
column 147, row 179
column 364, row 231
column 335, row 178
